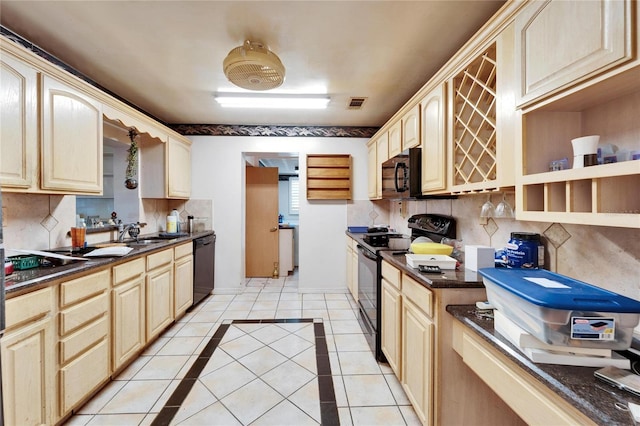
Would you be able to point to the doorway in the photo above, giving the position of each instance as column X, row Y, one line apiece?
column 286, row 216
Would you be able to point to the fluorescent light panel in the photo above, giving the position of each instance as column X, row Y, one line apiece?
column 276, row 101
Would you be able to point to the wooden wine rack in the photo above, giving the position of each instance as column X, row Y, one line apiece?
column 474, row 123
column 328, row 177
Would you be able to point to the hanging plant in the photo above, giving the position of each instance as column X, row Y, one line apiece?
column 131, row 181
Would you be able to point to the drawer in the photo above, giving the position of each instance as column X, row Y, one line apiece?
column 28, row 307
column 84, row 287
column 84, row 338
column 159, row 259
column 126, row 271
column 83, row 375
column 183, row 250
column 391, row 274
column 82, row 313
column 418, row 294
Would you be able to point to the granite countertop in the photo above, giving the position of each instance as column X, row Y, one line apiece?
column 576, row 385
column 20, row 282
column 449, row 278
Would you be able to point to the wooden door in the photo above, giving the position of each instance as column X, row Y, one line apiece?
column 261, row 221
column 433, row 140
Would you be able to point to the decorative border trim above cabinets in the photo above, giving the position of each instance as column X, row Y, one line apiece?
column 277, row 131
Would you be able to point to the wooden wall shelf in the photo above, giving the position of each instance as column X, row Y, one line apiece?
column 328, row 177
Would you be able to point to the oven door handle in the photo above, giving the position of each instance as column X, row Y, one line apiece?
column 367, row 253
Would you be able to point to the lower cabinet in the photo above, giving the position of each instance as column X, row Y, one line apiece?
column 417, row 359
column 391, row 326
column 159, row 292
column 183, row 278
column 352, row 267
column 127, row 312
column 28, row 359
column 83, row 346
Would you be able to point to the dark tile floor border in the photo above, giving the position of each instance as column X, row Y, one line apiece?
column 328, row 405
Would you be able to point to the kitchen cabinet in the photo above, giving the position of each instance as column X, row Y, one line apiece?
column 285, row 251
column 71, row 139
column 183, row 277
column 541, row 406
column 372, row 169
column 159, row 292
column 395, row 139
column 84, row 345
column 390, row 339
column 411, row 128
column 561, row 43
column 433, row 140
column 128, row 312
column 28, row 359
column 417, row 348
column 19, row 130
column 165, row 168
column 328, row 177
column 352, row 267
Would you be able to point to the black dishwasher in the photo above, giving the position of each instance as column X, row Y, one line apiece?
column 204, row 254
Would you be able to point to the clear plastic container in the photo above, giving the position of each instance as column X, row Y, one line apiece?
column 561, row 311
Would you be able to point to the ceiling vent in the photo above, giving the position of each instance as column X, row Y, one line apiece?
column 253, row 66
column 356, row 103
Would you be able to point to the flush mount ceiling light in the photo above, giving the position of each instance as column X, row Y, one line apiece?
column 253, row 66
column 263, row 100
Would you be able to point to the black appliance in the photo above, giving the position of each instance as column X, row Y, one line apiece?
column 204, row 255
column 401, row 175
column 433, row 226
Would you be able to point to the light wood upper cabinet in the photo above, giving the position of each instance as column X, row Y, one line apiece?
column 559, row 43
column 71, row 139
column 178, row 168
column 372, row 170
column 411, row 128
column 382, row 155
column 433, row 140
column 395, row 139
column 19, row 130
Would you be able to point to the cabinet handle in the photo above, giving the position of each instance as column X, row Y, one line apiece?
column 274, row 229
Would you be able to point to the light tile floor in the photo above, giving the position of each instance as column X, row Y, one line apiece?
column 260, row 374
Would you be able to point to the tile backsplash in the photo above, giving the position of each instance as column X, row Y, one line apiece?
column 607, row 257
column 41, row 221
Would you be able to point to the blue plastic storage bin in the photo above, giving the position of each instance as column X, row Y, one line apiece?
column 560, row 310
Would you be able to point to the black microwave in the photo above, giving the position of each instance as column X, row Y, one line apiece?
column 401, row 175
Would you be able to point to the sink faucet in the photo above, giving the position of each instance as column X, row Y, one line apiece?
column 132, row 228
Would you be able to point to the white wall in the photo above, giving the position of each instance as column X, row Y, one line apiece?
column 218, row 173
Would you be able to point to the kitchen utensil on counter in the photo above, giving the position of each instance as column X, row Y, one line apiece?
column 78, row 236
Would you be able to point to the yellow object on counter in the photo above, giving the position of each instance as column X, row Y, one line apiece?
column 431, row 248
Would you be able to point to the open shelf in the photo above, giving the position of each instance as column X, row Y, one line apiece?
column 328, row 177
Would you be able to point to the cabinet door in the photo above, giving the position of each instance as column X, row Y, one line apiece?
column 417, row 360
column 128, row 316
column 391, row 326
column 354, row 274
column 27, row 374
column 559, row 43
column 179, row 169
column 71, row 140
column 382, row 155
column 372, row 170
column 349, row 267
column 159, row 300
column 395, row 139
column 19, row 130
column 433, row 140
column 411, row 128
column 183, row 277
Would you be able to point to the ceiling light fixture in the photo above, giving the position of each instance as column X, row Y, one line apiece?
column 274, row 100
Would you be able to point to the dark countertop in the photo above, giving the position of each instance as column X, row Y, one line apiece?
column 20, row 282
column 458, row 278
column 576, row 385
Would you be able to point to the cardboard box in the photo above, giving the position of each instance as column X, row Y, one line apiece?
column 477, row 257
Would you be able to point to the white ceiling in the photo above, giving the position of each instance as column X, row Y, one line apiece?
column 166, row 56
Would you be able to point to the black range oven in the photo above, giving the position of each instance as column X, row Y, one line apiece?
column 369, row 286
column 370, row 246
